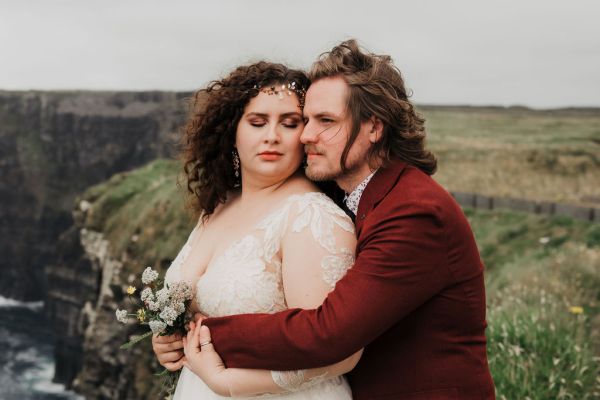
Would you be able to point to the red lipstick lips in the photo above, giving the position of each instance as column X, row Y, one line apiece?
column 270, row 155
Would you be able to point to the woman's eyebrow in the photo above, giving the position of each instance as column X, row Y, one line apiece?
column 282, row 116
column 257, row 114
column 290, row 114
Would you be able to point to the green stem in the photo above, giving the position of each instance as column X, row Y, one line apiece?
column 136, row 340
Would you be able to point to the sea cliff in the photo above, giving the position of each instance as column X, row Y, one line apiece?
column 135, row 219
column 53, row 145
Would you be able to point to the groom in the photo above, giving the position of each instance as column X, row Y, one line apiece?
column 415, row 297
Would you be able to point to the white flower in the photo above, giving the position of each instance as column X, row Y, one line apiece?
column 179, row 307
column 147, row 295
column 152, row 306
column 149, row 275
column 169, row 315
column 157, row 326
column 180, row 291
column 121, row 316
column 163, row 296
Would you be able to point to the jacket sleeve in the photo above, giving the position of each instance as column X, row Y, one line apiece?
column 400, row 264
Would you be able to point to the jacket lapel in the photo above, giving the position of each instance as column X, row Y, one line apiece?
column 382, row 182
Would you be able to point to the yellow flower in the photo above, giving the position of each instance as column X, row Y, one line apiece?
column 141, row 314
column 576, row 310
column 130, row 290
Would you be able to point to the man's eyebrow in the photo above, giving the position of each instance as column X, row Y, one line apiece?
column 326, row 114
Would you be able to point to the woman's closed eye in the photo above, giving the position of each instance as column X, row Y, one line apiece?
column 258, row 123
column 290, row 123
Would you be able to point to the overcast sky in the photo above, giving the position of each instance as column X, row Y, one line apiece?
column 539, row 53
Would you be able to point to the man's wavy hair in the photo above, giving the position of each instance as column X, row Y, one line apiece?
column 377, row 89
column 209, row 135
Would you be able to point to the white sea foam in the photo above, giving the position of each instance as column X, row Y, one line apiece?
column 39, row 378
column 43, row 382
column 32, row 305
column 26, row 362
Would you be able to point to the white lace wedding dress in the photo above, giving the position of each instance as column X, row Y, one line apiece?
column 247, row 278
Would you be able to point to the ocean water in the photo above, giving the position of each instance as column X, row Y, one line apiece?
column 26, row 362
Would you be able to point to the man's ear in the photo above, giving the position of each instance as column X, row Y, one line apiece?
column 376, row 131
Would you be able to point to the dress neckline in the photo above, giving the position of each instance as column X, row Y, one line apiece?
column 267, row 215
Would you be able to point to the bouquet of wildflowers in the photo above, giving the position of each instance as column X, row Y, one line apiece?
column 162, row 308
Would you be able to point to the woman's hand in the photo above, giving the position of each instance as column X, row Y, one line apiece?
column 169, row 351
column 202, row 359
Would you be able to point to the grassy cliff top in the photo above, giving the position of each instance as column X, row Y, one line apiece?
column 142, row 212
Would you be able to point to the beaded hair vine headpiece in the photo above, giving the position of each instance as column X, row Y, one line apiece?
column 281, row 90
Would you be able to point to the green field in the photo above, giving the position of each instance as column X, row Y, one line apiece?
column 517, row 152
column 542, row 282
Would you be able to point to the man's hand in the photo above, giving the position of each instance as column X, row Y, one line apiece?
column 169, row 351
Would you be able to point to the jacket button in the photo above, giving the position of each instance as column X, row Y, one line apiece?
column 362, row 216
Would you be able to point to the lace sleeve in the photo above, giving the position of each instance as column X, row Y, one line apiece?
column 318, row 250
column 293, row 381
column 328, row 225
column 335, row 266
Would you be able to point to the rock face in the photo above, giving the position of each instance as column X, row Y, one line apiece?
column 120, row 226
column 73, row 283
column 52, row 147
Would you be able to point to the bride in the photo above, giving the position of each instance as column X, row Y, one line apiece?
column 267, row 238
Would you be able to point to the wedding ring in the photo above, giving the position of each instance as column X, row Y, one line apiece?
column 205, row 343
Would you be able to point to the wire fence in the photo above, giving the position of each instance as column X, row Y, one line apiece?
column 474, row 200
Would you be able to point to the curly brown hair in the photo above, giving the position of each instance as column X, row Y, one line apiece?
column 377, row 89
column 209, row 135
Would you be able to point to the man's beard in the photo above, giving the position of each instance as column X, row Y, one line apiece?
column 333, row 175
column 320, row 176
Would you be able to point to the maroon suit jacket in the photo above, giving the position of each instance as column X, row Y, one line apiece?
column 415, row 299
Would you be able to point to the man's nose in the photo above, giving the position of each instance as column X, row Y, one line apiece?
column 309, row 135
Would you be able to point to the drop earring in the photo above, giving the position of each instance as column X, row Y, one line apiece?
column 236, row 163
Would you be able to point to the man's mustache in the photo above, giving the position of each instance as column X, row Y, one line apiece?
column 312, row 149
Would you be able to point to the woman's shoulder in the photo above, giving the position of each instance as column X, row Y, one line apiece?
column 318, row 216
column 317, row 209
column 302, row 189
column 306, row 192
column 316, row 198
